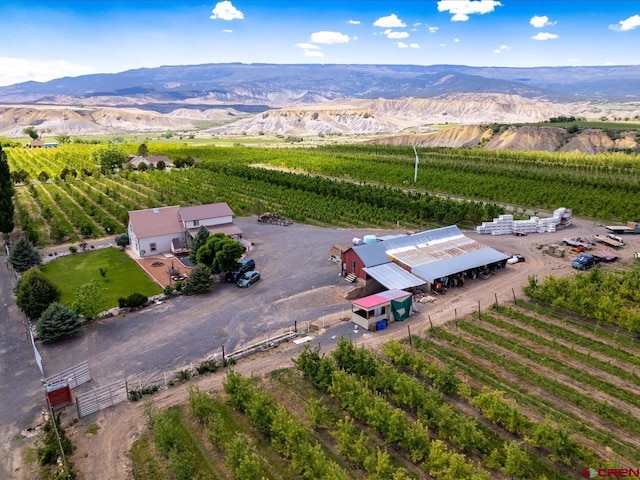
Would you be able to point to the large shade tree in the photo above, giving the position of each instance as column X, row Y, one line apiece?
column 56, row 322
column 109, row 158
column 221, row 253
column 6, row 195
column 36, row 293
column 23, row 255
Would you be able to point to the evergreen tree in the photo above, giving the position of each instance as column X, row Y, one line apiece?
column 23, row 255
column 199, row 280
column 36, row 293
column 143, row 150
column 6, row 195
column 56, row 322
column 199, row 240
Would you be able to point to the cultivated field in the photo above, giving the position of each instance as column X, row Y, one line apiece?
column 516, row 391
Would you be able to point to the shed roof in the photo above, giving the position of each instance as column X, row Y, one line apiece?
column 393, row 276
column 154, row 222
column 228, row 229
column 459, row 263
column 371, row 301
column 201, row 212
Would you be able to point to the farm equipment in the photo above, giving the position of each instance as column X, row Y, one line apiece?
column 630, row 227
column 610, row 240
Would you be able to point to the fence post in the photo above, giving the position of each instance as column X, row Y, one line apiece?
column 410, row 341
column 478, row 309
column 496, row 295
column 514, row 296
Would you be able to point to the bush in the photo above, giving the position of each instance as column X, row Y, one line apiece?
column 168, row 290
column 135, row 300
column 73, row 249
column 207, row 366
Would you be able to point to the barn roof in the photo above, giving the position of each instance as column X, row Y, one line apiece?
column 373, row 254
column 393, row 276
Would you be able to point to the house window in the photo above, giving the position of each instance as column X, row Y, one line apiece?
column 196, row 223
column 152, row 247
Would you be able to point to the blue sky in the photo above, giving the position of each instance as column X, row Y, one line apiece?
column 46, row 39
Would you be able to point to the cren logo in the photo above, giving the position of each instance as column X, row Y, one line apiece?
column 610, row 473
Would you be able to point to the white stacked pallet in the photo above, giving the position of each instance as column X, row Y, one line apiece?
column 505, row 225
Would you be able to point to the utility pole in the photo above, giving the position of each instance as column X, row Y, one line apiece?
column 415, row 171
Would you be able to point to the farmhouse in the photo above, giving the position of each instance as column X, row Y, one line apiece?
column 171, row 229
column 429, row 260
column 151, row 161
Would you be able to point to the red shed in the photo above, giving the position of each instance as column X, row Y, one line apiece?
column 351, row 263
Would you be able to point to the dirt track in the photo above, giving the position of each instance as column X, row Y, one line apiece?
column 104, row 455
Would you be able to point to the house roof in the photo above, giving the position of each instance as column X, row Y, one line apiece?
column 154, row 222
column 201, row 212
column 393, row 276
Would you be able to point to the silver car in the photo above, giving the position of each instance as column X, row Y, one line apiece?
column 248, row 279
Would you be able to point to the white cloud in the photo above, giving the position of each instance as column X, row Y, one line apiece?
column 461, row 9
column 610, row 64
column 433, row 29
column 313, row 53
column 390, row 21
column 329, row 38
column 457, row 40
column 502, row 48
column 538, row 21
column 443, row 44
column 395, row 35
column 17, row 70
column 627, row 24
column 544, row 36
column 405, row 45
column 307, row 46
column 226, row 11
column 354, row 22
column 227, row 31
column 573, row 60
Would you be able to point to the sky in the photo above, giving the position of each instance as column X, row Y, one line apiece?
column 45, row 39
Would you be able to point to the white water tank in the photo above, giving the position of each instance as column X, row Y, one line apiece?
column 356, row 241
column 370, row 239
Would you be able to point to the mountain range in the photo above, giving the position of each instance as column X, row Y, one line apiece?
column 302, row 99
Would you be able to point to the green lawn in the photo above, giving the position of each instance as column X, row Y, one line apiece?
column 123, row 277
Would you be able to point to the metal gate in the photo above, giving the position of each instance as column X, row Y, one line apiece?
column 76, row 375
column 101, row 397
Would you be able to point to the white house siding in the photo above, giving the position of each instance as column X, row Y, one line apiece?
column 209, row 222
column 163, row 244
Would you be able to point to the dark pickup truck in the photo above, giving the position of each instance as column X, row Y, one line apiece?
column 585, row 261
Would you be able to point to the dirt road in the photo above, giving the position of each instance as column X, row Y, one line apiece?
column 104, row 455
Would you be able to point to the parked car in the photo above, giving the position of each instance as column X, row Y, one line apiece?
column 585, row 261
column 246, row 265
column 248, row 279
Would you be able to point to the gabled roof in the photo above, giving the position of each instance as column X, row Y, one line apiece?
column 201, row 212
column 155, row 222
column 373, row 254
